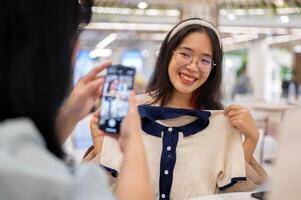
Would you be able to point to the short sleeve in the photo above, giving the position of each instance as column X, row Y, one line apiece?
column 111, row 158
column 107, row 163
column 231, row 161
column 143, row 98
column 236, row 175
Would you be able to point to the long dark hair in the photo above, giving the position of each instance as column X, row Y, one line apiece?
column 208, row 95
column 37, row 39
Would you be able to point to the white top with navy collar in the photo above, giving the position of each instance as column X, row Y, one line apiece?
column 190, row 153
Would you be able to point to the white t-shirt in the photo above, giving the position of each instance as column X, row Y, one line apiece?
column 185, row 163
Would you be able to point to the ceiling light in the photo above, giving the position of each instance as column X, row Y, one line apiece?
column 288, row 10
column 142, row 5
column 173, row 13
column 231, row 16
column 152, row 12
column 129, row 26
column 284, row 39
column 145, row 53
column 238, row 39
column 279, row 3
column 136, row 11
column 100, row 53
column 254, row 30
column 284, row 19
column 105, row 42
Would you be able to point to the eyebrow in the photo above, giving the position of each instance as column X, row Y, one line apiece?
column 190, row 49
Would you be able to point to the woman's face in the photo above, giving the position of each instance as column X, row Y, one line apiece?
column 187, row 78
column 114, row 85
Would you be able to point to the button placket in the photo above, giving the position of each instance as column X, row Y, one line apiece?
column 168, row 160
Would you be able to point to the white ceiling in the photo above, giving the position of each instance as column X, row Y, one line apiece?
column 135, row 28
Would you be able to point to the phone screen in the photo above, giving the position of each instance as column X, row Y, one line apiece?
column 114, row 101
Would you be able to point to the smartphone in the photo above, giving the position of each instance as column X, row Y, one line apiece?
column 119, row 81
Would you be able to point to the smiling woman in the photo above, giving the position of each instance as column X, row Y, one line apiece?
column 199, row 40
column 193, row 147
column 37, row 41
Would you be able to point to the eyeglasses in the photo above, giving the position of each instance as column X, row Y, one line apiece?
column 184, row 58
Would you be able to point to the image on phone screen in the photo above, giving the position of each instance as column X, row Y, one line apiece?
column 114, row 101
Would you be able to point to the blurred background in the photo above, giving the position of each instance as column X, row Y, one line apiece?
column 262, row 53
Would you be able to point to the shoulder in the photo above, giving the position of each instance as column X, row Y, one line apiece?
column 28, row 163
column 14, row 133
column 22, row 143
column 145, row 98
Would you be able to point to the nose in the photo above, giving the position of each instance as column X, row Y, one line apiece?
column 193, row 66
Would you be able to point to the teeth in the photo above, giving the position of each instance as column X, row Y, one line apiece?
column 187, row 78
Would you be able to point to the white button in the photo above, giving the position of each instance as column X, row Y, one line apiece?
column 166, row 172
column 168, row 148
column 169, row 129
column 112, row 123
column 163, row 196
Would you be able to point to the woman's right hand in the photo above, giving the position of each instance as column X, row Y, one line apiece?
column 96, row 133
column 131, row 126
column 129, row 131
column 133, row 181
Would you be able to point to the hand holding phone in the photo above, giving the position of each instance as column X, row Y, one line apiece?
column 119, row 82
column 130, row 127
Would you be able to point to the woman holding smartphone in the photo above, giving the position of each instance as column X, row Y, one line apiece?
column 37, row 41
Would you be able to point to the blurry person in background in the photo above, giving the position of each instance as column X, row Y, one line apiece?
column 37, row 43
column 194, row 147
column 243, row 84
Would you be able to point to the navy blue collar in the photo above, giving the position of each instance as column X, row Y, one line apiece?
column 149, row 115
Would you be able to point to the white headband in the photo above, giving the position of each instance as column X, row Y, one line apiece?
column 195, row 21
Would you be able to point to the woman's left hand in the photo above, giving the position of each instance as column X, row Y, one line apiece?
column 241, row 119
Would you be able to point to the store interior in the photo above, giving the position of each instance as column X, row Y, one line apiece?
column 261, row 41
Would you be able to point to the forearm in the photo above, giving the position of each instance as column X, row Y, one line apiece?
column 134, row 182
column 249, row 146
column 64, row 124
column 97, row 143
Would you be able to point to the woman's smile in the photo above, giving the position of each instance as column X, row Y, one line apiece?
column 187, row 79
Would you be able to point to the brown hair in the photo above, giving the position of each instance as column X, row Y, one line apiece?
column 208, row 95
